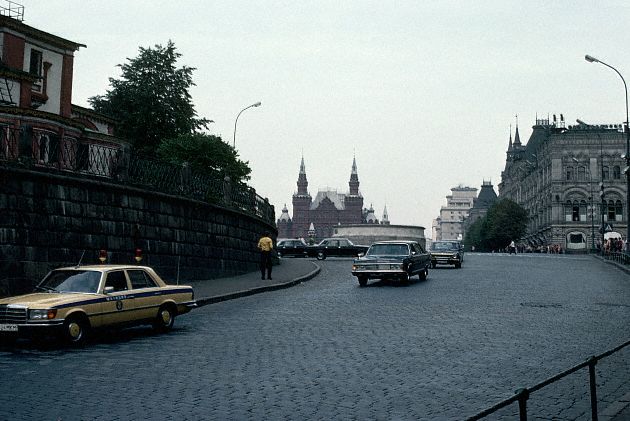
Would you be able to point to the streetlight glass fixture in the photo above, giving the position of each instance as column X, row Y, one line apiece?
column 257, row 104
column 592, row 59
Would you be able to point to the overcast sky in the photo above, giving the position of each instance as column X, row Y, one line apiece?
column 422, row 93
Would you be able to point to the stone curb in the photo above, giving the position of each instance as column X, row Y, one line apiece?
column 244, row 293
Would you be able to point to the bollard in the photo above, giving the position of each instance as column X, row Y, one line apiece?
column 523, row 395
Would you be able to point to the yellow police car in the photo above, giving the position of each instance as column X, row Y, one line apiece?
column 71, row 301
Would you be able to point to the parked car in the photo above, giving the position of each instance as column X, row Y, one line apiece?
column 338, row 247
column 447, row 253
column 296, row 248
column 71, row 301
column 398, row 260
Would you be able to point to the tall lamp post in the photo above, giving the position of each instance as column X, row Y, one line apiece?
column 592, row 59
column 590, row 183
column 236, row 121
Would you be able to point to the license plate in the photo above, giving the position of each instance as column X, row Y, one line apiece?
column 8, row 328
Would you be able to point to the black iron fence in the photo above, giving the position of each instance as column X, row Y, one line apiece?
column 47, row 151
column 522, row 395
column 622, row 258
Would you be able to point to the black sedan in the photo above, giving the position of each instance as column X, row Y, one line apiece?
column 295, row 248
column 338, row 247
column 398, row 260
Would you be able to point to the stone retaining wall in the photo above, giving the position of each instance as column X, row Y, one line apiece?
column 49, row 220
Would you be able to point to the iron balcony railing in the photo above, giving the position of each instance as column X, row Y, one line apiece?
column 47, row 151
column 522, row 395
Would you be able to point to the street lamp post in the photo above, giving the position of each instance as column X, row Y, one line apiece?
column 592, row 59
column 590, row 183
column 236, row 121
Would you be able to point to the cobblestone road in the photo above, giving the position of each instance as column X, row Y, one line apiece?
column 327, row 349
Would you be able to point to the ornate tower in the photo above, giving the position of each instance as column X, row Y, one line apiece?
column 301, row 205
column 353, row 201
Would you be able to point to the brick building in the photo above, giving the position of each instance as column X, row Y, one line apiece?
column 327, row 210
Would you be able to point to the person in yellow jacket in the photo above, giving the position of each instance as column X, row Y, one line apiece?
column 265, row 245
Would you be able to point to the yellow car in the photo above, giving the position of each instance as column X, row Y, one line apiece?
column 71, row 301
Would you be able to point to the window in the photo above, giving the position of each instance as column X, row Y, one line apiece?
column 569, row 174
column 35, row 68
column 581, row 175
column 605, row 173
column 140, row 279
column 575, row 213
column 117, row 280
column 616, row 172
column 47, row 148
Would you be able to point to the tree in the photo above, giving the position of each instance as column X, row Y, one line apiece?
column 206, row 154
column 504, row 222
column 151, row 99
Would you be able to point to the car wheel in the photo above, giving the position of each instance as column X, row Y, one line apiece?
column 321, row 255
column 363, row 281
column 458, row 265
column 433, row 265
column 164, row 319
column 74, row 331
column 423, row 274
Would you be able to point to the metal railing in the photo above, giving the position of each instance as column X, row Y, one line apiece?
column 522, row 395
column 47, row 151
column 12, row 9
column 622, row 258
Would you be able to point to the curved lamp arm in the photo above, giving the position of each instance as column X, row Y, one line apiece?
column 258, row 104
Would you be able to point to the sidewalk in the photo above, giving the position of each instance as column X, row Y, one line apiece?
column 290, row 271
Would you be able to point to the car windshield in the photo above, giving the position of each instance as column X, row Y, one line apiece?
column 71, row 281
column 445, row 245
column 388, row 250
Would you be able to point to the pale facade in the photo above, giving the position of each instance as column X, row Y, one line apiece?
column 450, row 224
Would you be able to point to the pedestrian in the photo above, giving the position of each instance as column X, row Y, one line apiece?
column 512, row 247
column 265, row 245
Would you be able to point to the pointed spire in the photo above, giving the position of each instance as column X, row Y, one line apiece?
column 354, row 178
column 510, row 144
column 302, row 182
column 517, row 138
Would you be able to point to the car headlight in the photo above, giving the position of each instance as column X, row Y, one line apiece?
column 42, row 314
column 355, row 267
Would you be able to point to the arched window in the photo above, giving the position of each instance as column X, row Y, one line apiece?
column 568, row 211
column 575, row 211
column 618, row 211
column 616, row 172
column 569, row 173
column 581, row 173
column 605, row 173
column 582, row 210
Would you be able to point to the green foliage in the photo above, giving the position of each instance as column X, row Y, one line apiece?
column 206, row 154
column 504, row 222
column 151, row 99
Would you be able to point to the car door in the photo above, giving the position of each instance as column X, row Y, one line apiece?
column 346, row 248
column 119, row 302
column 332, row 248
column 146, row 292
column 415, row 254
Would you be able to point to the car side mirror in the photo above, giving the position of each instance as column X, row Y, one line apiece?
column 413, row 253
column 360, row 255
column 108, row 290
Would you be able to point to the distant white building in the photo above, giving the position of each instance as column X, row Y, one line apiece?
column 450, row 224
